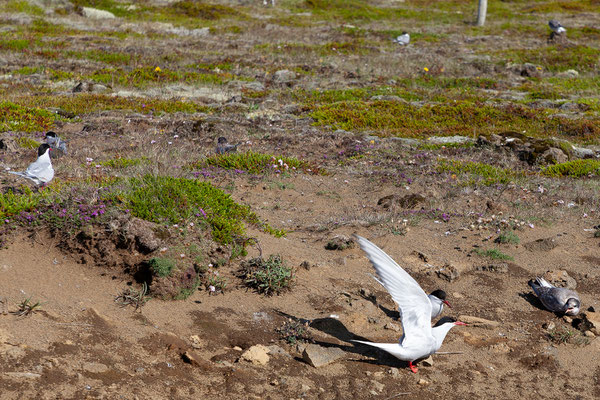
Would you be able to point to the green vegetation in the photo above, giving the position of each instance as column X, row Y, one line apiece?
column 161, row 266
column 293, row 332
column 122, row 163
column 574, row 169
column 494, row 254
column 27, row 307
column 557, row 58
column 507, row 237
column 12, row 204
column 28, row 143
column 21, row 6
column 200, row 10
column 144, row 76
column 163, row 199
column 257, row 163
column 14, row 44
column 84, row 103
column 14, row 117
column 269, row 276
column 457, row 118
column 486, row 174
column 133, row 297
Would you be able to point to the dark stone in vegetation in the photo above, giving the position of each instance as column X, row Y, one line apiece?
column 546, row 244
column 340, row 242
column 501, row 268
column 407, row 201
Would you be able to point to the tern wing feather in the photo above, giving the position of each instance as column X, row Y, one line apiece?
column 413, row 303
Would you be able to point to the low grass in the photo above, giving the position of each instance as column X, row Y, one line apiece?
column 15, row 44
column 507, row 237
column 161, row 266
column 269, row 276
column 122, row 163
column 112, row 58
column 15, row 117
column 168, row 200
column 21, row 6
column 573, row 169
column 479, row 172
column 257, row 163
column 556, row 58
column 84, row 103
column 146, row 76
column 12, row 204
column 494, row 254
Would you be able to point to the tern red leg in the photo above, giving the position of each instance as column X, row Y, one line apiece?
column 412, row 367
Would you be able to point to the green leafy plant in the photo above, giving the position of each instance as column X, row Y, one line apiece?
column 494, row 254
column 293, row 332
column 258, row 163
column 269, row 276
column 162, row 266
column 133, row 297
column 27, row 307
column 574, row 169
column 507, row 237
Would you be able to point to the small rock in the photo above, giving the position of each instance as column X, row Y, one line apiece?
column 590, row 322
column 423, row 382
column 20, row 375
column 395, row 372
column 392, row 327
column 570, row 73
column 257, row 354
column 500, row 268
column 277, row 350
column 428, row 362
column 305, row 265
column 237, row 348
column 284, row 76
column 448, row 272
column 94, row 13
column 552, row 156
column 546, row 244
column 340, row 242
column 305, row 388
column 549, row 326
column 378, row 386
column 318, row 356
column 94, row 368
column 192, row 358
column 582, row 152
column 560, row 278
column 568, row 320
column 589, row 334
column 479, row 322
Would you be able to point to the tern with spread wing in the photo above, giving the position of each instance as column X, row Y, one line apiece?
column 40, row 171
column 437, row 299
column 556, row 299
column 556, row 26
column 419, row 339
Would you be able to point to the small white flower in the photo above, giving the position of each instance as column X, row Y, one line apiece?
column 152, row 141
column 89, row 159
column 170, row 142
column 210, row 265
column 191, row 224
column 175, row 136
column 212, row 288
column 531, row 225
column 182, row 255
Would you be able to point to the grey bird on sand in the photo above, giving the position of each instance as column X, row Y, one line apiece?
column 419, row 340
column 403, row 39
column 555, row 299
column 224, row 147
column 40, row 171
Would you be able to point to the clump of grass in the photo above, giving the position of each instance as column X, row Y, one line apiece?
column 88, row 102
column 14, row 44
column 488, row 174
column 133, row 297
column 494, row 254
column 557, row 58
column 293, row 332
column 162, row 199
column 27, row 307
column 15, row 117
column 269, row 276
column 144, row 76
column 22, row 6
column 122, row 163
column 161, row 266
column 347, row 9
column 257, row 163
column 12, row 204
column 215, row 283
column 201, row 10
column 507, row 237
column 574, row 169
column 564, row 335
column 28, row 143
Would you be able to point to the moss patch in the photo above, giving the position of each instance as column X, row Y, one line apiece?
column 574, row 169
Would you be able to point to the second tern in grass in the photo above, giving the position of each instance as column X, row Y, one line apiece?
column 419, row 339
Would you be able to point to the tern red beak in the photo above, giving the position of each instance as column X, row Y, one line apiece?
column 460, row 323
column 446, row 303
